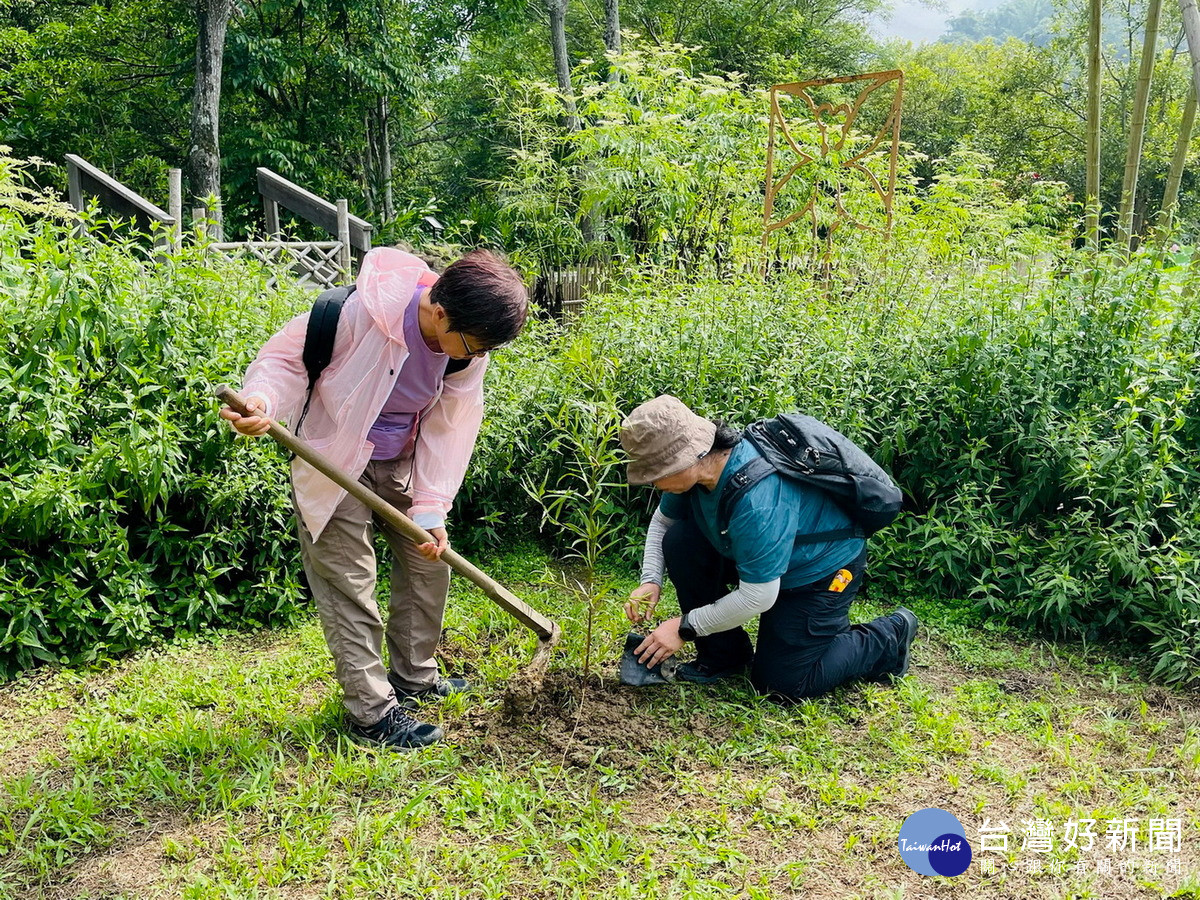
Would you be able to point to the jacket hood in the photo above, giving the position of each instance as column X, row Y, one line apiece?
column 385, row 285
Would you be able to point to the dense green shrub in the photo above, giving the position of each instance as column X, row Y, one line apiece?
column 1044, row 428
column 666, row 166
column 127, row 510
column 1051, row 449
column 1041, row 413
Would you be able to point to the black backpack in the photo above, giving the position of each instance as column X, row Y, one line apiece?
column 320, row 335
column 809, row 451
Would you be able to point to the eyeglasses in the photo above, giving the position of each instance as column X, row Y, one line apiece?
column 483, row 351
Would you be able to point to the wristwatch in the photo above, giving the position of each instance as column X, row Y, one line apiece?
column 686, row 631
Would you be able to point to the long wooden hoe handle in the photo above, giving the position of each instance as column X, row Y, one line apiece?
column 546, row 630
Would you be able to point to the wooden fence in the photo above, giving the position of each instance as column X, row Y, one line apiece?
column 319, row 264
column 560, row 292
column 563, row 292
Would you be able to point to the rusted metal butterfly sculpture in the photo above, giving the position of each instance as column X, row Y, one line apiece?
column 835, row 148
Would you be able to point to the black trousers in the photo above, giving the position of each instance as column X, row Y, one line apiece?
column 806, row 644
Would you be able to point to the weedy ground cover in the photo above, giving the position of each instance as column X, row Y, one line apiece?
column 216, row 768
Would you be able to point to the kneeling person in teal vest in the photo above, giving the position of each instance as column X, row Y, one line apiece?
column 761, row 562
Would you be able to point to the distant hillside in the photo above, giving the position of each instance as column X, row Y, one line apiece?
column 917, row 21
column 964, row 20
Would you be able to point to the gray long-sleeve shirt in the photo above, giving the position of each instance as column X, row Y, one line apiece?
column 736, row 608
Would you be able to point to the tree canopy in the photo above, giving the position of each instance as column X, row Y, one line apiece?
column 405, row 107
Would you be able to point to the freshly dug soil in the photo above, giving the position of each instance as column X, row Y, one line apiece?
column 573, row 720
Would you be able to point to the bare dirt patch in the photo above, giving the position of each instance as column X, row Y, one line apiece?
column 36, row 712
column 574, row 721
column 133, row 869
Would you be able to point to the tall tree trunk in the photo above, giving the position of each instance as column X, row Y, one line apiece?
column 1093, row 127
column 1137, row 131
column 612, row 30
column 593, row 223
column 383, row 155
column 1175, row 175
column 562, row 65
column 1191, row 27
column 562, row 69
column 204, row 155
column 385, row 159
column 368, row 165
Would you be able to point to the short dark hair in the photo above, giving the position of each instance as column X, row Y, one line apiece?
column 726, row 438
column 484, row 297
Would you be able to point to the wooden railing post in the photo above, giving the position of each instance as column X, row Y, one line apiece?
column 200, row 221
column 343, row 235
column 75, row 190
column 271, row 216
column 175, row 206
column 74, row 187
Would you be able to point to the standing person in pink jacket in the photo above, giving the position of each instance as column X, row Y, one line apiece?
column 400, row 405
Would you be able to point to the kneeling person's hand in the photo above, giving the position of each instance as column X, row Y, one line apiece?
column 663, row 643
column 642, row 600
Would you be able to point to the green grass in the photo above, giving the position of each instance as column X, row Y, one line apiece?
column 216, row 769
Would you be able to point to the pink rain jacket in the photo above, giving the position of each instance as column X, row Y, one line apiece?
column 368, row 356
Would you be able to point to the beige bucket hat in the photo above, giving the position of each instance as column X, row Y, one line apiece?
column 662, row 437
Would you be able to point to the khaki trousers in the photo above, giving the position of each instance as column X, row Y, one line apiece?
column 341, row 571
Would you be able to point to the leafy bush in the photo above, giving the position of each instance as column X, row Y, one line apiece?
column 1052, row 449
column 126, row 508
column 667, row 167
column 1045, row 429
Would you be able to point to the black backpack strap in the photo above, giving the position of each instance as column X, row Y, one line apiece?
column 319, row 337
column 747, row 477
column 322, row 331
column 739, row 482
column 841, row 534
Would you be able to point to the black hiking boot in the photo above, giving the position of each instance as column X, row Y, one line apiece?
column 397, row 730
column 907, row 626
column 699, row 672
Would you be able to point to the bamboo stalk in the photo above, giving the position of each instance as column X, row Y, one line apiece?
column 1137, row 131
column 1166, row 215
